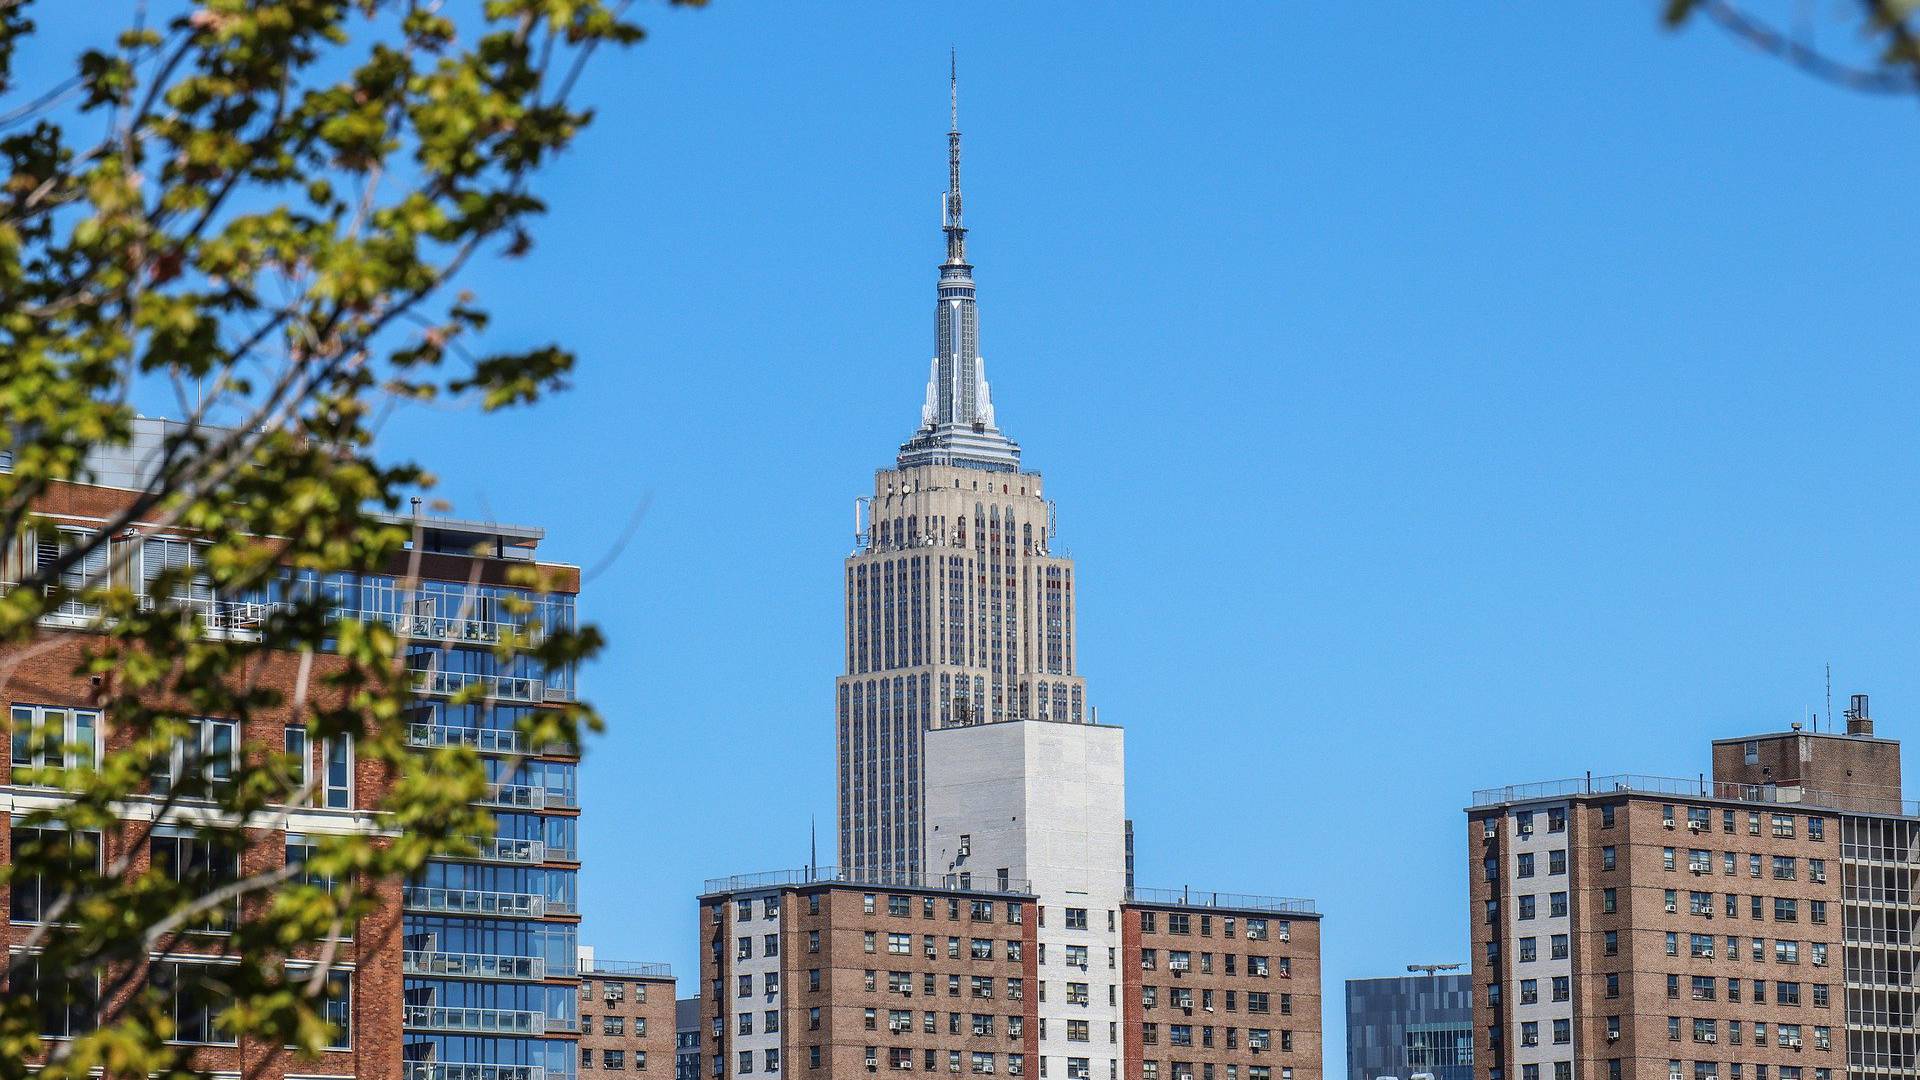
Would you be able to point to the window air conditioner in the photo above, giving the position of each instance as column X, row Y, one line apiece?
column 1695, row 826
column 1668, row 823
column 1613, row 1036
column 1672, row 907
column 1710, row 1037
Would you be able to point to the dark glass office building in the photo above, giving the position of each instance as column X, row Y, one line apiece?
column 1417, row 1024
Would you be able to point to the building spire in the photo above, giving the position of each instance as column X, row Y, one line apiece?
column 956, row 233
column 956, row 421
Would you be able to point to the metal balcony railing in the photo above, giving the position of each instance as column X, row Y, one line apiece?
column 474, row 902
column 643, row 968
column 481, row 1021
column 451, row 1070
column 474, row 965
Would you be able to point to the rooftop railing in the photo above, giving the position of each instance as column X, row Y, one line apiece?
column 881, row 879
column 1859, row 800
column 1283, row 905
column 643, row 969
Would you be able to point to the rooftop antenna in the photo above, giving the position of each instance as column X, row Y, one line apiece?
column 1816, row 725
column 813, row 845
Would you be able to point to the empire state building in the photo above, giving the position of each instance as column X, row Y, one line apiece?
column 957, row 611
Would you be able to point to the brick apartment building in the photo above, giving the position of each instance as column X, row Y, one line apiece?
column 626, row 1017
column 835, row 974
column 1220, row 987
column 1755, row 925
column 459, row 975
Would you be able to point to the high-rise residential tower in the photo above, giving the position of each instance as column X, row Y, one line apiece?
column 1756, row 923
column 958, row 611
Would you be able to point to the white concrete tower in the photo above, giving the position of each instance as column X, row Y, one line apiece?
column 1041, row 805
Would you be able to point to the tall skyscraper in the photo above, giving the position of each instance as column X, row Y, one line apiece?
column 971, row 764
column 958, row 612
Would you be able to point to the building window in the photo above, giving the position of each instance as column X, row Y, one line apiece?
column 30, row 898
column 338, row 781
column 193, row 997
column 44, row 736
column 199, row 864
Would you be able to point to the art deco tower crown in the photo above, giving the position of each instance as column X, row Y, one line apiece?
column 956, row 422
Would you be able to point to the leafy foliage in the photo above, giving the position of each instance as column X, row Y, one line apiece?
column 259, row 206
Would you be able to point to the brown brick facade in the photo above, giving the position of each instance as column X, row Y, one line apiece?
column 871, row 980
column 1696, row 925
column 45, row 675
column 630, row 1016
column 1215, row 993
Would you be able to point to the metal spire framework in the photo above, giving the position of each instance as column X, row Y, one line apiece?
column 956, row 421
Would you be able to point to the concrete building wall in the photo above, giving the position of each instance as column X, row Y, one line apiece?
column 1045, row 803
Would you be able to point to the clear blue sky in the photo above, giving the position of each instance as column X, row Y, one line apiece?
column 1435, row 396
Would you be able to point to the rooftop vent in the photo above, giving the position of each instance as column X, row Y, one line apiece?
column 1858, row 721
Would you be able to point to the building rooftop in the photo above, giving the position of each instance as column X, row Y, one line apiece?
column 1863, row 801
column 1201, row 898
column 842, row 875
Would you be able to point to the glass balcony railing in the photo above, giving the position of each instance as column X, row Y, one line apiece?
column 480, row 1021
column 473, row 965
column 515, row 796
column 509, row 905
column 506, row 849
column 453, row 1070
column 495, row 687
column 485, row 740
